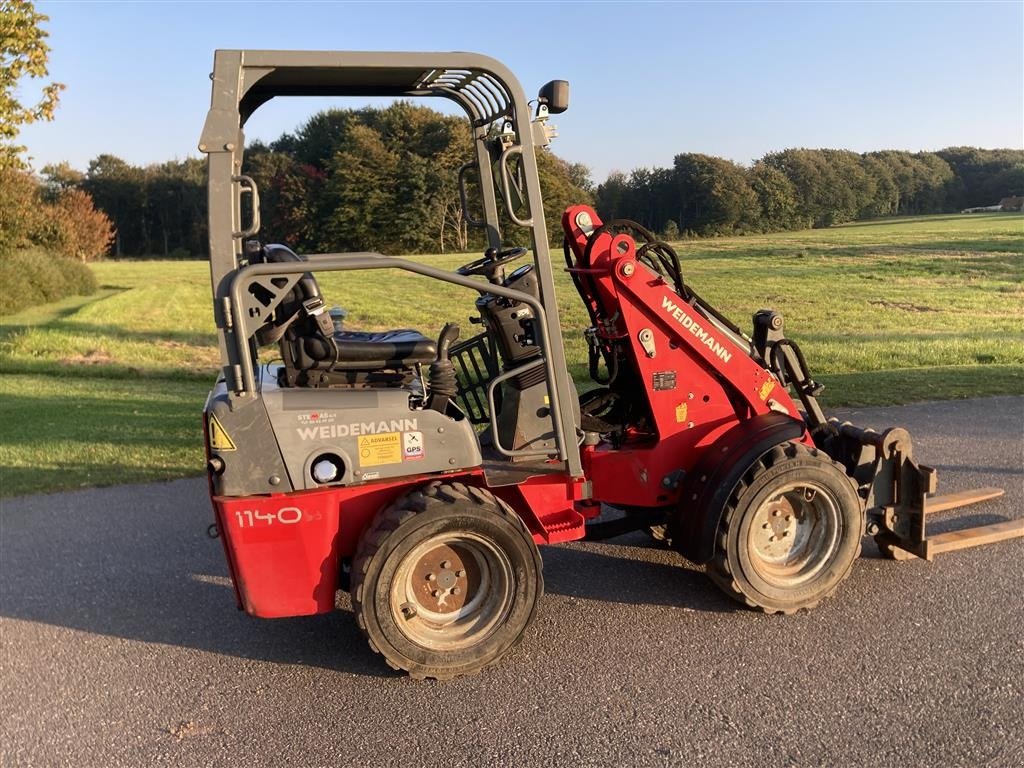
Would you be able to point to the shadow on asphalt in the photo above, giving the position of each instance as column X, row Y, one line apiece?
column 644, row 574
column 135, row 562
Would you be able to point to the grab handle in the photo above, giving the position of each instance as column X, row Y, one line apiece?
column 246, row 184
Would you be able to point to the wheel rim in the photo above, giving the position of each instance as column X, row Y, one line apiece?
column 452, row 591
column 794, row 534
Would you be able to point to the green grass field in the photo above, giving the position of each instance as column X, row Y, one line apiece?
column 108, row 389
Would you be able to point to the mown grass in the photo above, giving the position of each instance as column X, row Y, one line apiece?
column 108, row 388
column 67, row 432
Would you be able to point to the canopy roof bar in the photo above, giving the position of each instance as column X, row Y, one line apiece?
column 487, row 95
column 480, row 84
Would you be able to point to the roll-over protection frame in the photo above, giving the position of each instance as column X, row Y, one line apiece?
column 492, row 98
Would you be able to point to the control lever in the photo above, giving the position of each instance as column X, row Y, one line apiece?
column 443, row 383
column 528, row 337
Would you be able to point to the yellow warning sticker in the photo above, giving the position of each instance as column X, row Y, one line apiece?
column 681, row 410
column 766, row 389
column 219, row 438
column 380, row 449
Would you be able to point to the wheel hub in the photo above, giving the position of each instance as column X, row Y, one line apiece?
column 793, row 534
column 451, row 590
column 779, row 523
column 446, row 578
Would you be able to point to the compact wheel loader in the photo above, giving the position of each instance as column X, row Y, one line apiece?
column 421, row 471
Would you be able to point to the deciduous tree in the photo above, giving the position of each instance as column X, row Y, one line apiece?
column 23, row 53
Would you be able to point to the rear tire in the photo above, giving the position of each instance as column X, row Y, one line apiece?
column 789, row 533
column 445, row 581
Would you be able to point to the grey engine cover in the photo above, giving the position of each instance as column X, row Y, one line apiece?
column 373, row 431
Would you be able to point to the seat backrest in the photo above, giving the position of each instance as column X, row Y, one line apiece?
column 307, row 287
column 288, row 311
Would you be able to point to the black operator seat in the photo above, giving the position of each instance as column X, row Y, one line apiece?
column 309, row 344
column 383, row 349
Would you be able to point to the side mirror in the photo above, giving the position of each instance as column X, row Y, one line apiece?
column 555, row 96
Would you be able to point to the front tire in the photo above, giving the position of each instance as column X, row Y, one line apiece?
column 445, row 581
column 789, row 533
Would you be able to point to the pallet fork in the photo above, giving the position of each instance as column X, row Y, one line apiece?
column 898, row 496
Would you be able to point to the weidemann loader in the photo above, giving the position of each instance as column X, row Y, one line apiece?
column 421, row 471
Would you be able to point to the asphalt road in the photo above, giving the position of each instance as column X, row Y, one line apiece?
column 121, row 646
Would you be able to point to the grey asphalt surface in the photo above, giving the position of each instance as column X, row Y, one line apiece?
column 121, row 645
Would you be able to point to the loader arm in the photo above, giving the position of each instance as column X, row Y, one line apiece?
column 706, row 383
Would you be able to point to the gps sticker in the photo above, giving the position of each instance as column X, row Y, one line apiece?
column 412, row 446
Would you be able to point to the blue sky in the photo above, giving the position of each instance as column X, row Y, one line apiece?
column 649, row 80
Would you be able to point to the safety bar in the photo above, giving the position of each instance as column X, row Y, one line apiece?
column 335, row 262
column 491, row 388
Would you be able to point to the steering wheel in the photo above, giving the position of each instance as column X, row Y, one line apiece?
column 492, row 260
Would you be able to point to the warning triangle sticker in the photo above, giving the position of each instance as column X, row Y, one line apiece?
column 219, row 439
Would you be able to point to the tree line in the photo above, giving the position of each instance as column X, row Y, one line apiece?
column 61, row 220
column 45, row 233
column 803, row 188
column 384, row 179
column 381, row 179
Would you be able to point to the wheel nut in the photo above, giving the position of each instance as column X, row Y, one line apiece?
column 788, row 518
column 446, row 564
column 460, row 574
column 436, row 593
column 776, row 513
column 431, row 577
column 455, row 590
column 766, row 526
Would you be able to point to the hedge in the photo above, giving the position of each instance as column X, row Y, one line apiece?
column 34, row 276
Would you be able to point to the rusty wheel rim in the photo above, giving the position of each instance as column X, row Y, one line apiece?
column 452, row 591
column 794, row 534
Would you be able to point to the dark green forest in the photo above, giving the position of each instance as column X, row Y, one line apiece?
column 384, row 179
column 804, row 188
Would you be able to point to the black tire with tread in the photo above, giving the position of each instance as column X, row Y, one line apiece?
column 726, row 569
column 433, row 508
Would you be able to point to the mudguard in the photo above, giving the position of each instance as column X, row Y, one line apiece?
column 706, row 489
